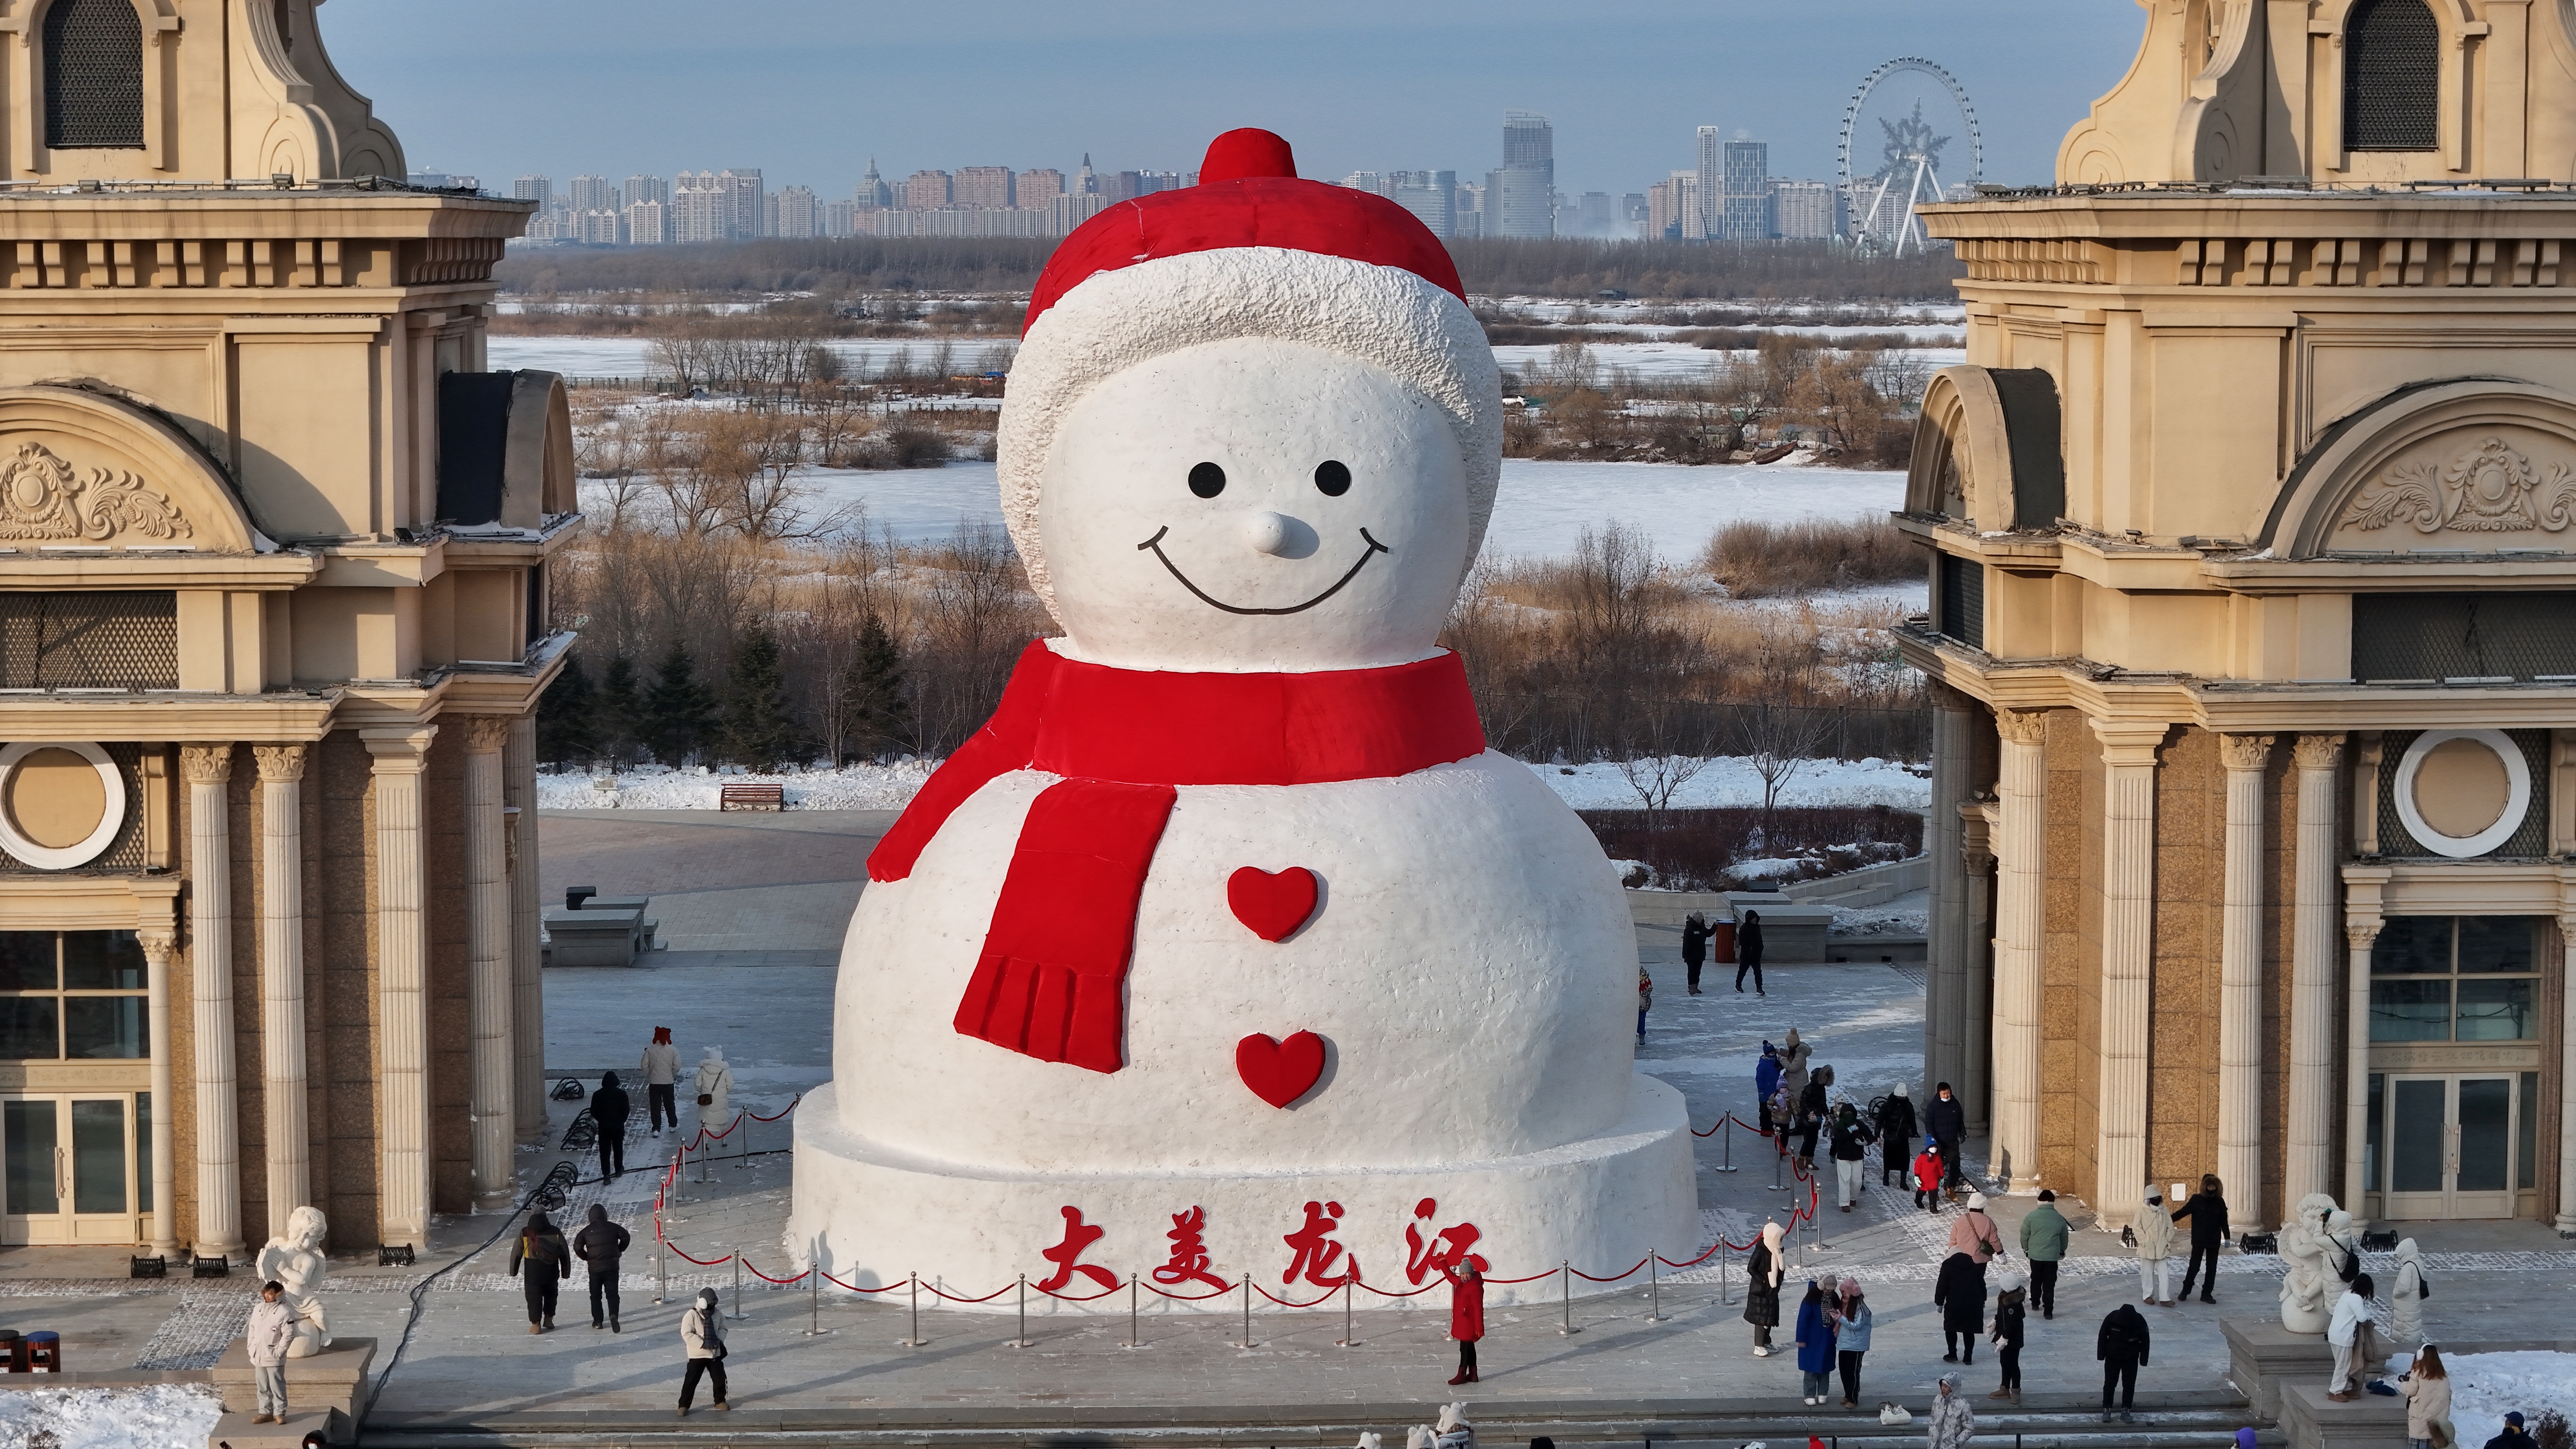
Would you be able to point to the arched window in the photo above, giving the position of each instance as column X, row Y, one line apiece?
column 2392, row 77
column 93, row 75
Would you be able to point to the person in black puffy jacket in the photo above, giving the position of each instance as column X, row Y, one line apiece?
column 2122, row 1348
column 1945, row 1126
column 608, row 1110
column 2208, row 1213
column 600, row 1243
column 1896, row 1128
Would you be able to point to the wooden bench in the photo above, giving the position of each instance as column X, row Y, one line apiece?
column 753, row 797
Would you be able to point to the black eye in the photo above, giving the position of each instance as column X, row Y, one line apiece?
column 1333, row 478
column 1207, row 480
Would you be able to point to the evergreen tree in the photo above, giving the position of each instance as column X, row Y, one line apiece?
column 759, row 733
column 874, row 717
column 679, row 713
column 615, row 709
column 566, row 726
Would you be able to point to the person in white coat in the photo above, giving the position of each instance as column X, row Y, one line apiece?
column 2153, row 1234
column 2344, row 1334
column 270, row 1330
column 660, row 1070
column 702, row 1335
column 2406, row 1296
column 714, row 1085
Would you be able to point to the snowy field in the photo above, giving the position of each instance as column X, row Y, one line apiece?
column 1665, row 361
column 152, row 1416
column 630, row 357
column 1726, row 782
column 2485, row 1385
column 1539, row 512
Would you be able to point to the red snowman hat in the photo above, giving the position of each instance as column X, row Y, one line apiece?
column 1249, row 252
column 1248, row 195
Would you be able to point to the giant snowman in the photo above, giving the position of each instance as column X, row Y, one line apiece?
column 1227, row 947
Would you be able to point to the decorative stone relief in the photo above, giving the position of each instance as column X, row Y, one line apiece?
column 2491, row 488
column 42, row 498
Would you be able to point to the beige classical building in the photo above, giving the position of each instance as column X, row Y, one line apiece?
column 2254, row 622
column 272, row 585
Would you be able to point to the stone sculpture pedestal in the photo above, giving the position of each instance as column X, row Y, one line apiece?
column 326, row 1384
column 2264, row 1358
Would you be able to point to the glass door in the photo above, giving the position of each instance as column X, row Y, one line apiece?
column 66, row 1170
column 2451, row 1147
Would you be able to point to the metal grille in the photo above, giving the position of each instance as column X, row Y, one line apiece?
column 89, row 641
column 124, row 855
column 93, row 76
column 2530, row 839
column 1962, row 600
column 2520, row 636
column 2392, row 77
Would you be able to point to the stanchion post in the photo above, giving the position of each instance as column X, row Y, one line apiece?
column 661, row 1274
column 814, row 1292
column 1654, row 1290
column 1728, row 1143
column 915, row 1341
column 1247, row 1312
column 737, row 1315
column 1723, row 1296
column 1565, row 1289
column 1346, row 1341
column 1135, row 1335
column 1022, row 1340
column 1819, row 1216
column 1777, row 1160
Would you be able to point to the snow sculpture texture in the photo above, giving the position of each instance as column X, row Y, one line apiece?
column 1227, row 939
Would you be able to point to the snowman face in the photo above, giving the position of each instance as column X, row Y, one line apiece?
column 1254, row 504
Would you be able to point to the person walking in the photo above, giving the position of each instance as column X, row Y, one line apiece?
column 1694, row 947
column 2427, row 1387
column 1762, row 1271
column 714, row 1087
column 1954, row 1423
column 608, row 1109
column 2152, row 1235
column 1895, row 1135
column 661, row 1072
column 702, row 1334
column 1466, row 1313
column 1945, row 1126
column 1961, row 1296
column 2406, row 1295
column 2122, row 1347
column 542, row 1252
column 1645, row 999
column 1927, row 1178
column 2345, row 1332
column 2208, row 1213
column 1748, row 954
column 1766, row 1083
column 2007, row 1339
column 270, row 1330
column 600, row 1243
column 1975, row 1233
column 1815, row 1344
column 1814, row 1103
column 2043, row 1242
column 1850, row 1145
column 1851, row 1339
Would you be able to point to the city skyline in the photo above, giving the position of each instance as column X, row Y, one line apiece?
column 1352, row 89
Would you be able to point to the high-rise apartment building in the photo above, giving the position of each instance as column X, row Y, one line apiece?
column 746, row 203
column 840, row 218
column 984, row 187
column 596, row 227
column 928, row 190
column 1805, row 210
column 1526, row 183
column 1746, row 212
column 1595, row 214
column 1086, row 182
column 697, row 208
column 799, row 213
column 1430, row 195
column 1673, row 208
column 1036, row 190
column 539, row 189
column 872, row 191
column 591, row 193
column 647, row 188
column 1709, row 178
column 647, row 224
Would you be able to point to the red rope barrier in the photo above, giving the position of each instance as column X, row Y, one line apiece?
column 855, row 1288
column 1410, row 1293
column 783, row 1111
column 1613, row 1278
column 765, row 1278
column 1534, row 1277
column 1059, row 1297
column 1192, row 1297
column 1284, row 1303
column 987, row 1298
column 701, row 1262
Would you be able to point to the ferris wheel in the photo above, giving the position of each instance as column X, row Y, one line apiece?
column 1908, row 173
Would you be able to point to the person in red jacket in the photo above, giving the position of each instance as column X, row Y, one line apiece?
column 1466, row 1313
column 1927, row 1178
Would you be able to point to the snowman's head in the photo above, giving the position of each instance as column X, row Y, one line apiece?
column 1250, row 457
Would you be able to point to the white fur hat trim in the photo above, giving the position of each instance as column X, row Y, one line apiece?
column 1115, row 320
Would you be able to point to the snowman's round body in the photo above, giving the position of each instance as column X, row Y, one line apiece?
column 1373, row 1017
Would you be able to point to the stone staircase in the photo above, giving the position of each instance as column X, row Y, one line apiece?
column 322, row 1393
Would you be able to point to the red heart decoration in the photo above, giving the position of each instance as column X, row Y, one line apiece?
column 1273, row 904
column 1279, row 1072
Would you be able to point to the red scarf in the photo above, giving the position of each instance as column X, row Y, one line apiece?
column 1050, row 981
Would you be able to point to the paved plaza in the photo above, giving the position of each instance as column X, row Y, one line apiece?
column 753, row 907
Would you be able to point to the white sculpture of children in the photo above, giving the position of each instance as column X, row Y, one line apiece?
column 294, row 1260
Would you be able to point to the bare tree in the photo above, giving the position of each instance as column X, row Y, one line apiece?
column 1669, row 750
column 1778, row 729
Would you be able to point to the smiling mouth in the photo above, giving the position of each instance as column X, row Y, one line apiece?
column 1156, row 544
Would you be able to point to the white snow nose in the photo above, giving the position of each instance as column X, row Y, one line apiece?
column 1268, row 532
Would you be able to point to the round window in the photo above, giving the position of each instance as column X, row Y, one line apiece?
column 2462, row 793
column 61, row 804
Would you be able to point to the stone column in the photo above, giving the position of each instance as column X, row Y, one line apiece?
column 2315, row 933
column 2021, row 919
column 2567, row 1080
column 209, row 769
column 1946, row 994
column 160, row 952
column 400, row 756
column 281, row 978
column 2358, row 936
column 528, row 997
column 493, row 1059
column 2128, row 961
column 1977, row 867
column 2240, row 978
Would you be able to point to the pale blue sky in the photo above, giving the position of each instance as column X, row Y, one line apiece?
column 808, row 89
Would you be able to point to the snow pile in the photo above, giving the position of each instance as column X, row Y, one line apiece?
column 1729, row 780
column 2485, row 1385
column 659, row 787
column 151, row 1416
